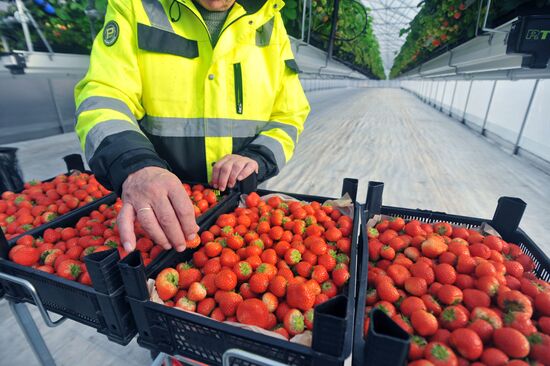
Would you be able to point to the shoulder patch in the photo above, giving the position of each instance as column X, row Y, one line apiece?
column 110, row 33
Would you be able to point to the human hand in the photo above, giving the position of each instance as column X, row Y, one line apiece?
column 230, row 169
column 157, row 199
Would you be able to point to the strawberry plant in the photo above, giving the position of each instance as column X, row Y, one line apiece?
column 440, row 25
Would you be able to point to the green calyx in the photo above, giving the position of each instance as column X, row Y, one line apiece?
column 111, row 244
column 420, row 341
column 245, row 268
column 448, row 315
column 172, row 278
column 295, row 256
column 440, row 352
column 297, row 322
column 75, row 270
column 535, row 339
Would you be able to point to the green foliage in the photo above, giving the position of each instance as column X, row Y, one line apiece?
column 444, row 24
column 355, row 39
column 69, row 32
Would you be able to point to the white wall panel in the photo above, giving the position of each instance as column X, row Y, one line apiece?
column 479, row 99
column 508, row 108
column 460, row 98
column 447, row 98
column 536, row 135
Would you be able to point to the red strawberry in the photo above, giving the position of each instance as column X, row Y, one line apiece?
column 167, row 283
column 294, row 322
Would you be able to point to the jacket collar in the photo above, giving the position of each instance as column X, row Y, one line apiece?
column 251, row 6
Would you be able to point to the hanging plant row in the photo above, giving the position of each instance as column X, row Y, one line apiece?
column 355, row 42
column 440, row 25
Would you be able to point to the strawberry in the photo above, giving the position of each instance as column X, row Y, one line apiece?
column 320, row 274
column 185, row 304
column 259, row 282
column 329, row 288
column 253, row 312
column 197, row 292
column 228, row 302
column 292, row 256
column 206, row 306
column 69, row 269
column 540, row 348
column 294, row 322
column 167, row 283
column 281, row 330
column 271, row 301
column 340, row 275
column 308, row 318
column 48, row 257
column 226, row 280
column 299, row 295
column 187, row 275
column 277, row 286
column 144, row 245
column 243, row 270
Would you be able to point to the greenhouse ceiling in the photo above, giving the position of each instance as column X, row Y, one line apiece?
column 389, row 17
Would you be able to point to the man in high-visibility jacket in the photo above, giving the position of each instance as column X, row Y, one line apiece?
column 204, row 90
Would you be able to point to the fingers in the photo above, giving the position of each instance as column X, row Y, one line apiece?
column 225, row 172
column 148, row 221
column 170, row 224
column 125, row 221
column 216, row 171
column 250, row 167
column 184, row 212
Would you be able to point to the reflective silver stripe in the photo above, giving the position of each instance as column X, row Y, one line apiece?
column 263, row 34
column 156, row 14
column 93, row 103
column 211, row 127
column 275, row 147
column 290, row 130
column 105, row 129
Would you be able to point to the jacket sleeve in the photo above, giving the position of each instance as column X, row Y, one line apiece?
column 275, row 145
column 108, row 103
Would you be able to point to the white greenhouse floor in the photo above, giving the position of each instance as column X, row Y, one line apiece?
column 426, row 160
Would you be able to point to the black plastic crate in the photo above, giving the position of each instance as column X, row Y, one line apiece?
column 106, row 311
column 177, row 332
column 395, row 347
column 74, row 164
column 102, row 306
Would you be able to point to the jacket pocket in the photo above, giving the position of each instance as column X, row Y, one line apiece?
column 237, row 70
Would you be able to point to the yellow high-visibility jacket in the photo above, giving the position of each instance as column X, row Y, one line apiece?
column 158, row 94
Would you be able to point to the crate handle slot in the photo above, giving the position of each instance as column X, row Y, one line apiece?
column 133, row 276
column 74, row 162
column 508, row 215
column 30, row 288
column 373, row 204
column 349, row 186
column 249, row 184
column 238, row 354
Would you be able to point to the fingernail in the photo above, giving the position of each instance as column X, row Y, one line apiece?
column 192, row 236
column 215, row 186
column 180, row 248
column 127, row 247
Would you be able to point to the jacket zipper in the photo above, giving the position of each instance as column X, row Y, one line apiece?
column 238, row 87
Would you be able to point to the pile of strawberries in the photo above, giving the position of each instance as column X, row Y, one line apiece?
column 41, row 202
column 265, row 265
column 467, row 298
column 62, row 250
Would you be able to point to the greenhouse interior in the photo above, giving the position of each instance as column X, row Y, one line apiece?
column 274, row 182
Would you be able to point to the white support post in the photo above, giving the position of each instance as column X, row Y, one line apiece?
column 526, row 116
column 453, row 99
column 488, row 108
column 467, row 101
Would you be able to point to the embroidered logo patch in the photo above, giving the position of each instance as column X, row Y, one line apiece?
column 110, row 33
